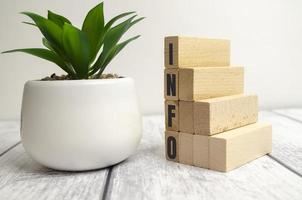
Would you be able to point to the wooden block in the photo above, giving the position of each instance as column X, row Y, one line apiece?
column 201, row 151
column 205, row 83
column 182, row 52
column 186, row 116
column 236, row 147
column 172, row 145
column 216, row 115
column 186, row 148
column 171, row 115
column 171, row 84
column 212, row 116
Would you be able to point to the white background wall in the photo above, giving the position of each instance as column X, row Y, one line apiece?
column 266, row 39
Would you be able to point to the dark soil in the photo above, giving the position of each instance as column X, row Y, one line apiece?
column 55, row 77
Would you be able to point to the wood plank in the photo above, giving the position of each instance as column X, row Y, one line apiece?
column 186, row 116
column 186, row 148
column 294, row 113
column 148, row 175
column 201, row 151
column 205, row 117
column 287, row 139
column 234, row 148
column 225, row 113
column 22, row 178
column 9, row 135
column 211, row 82
column 183, row 51
column 231, row 149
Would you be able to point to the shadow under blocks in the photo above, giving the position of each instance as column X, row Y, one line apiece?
column 210, row 122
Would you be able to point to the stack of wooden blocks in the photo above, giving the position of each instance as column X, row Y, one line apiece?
column 210, row 122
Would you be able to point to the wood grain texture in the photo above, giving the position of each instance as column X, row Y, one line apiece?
column 196, row 52
column 225, row 113
column 212, row 116
column 172, row 115
column 234, row 148
column 9, row 134
column 186, row 116
column 201, row 151
column 205, row 83
column 171, row 84
column 22, row 178
column 186, row 148
column 287, row 138
column 148, row 175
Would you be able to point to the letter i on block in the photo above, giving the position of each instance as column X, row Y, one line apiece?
column 171, row 84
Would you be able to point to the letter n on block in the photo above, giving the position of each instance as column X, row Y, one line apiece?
column 171, row 84
column 171, row 115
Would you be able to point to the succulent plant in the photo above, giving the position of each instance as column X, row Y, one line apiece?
column 81, row 53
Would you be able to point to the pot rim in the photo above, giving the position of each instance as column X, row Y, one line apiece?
column 79, row 82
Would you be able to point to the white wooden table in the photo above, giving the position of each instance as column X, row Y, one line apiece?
column 147, row 174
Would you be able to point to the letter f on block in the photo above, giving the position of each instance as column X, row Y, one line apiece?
column 171, row 84
column 171, row 114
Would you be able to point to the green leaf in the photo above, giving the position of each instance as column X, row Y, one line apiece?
column 115, row 51
column 45, row 54
column 93, row 26
column 137, row 20
column 77, row 48
column 57, row 19
column 113, row 20
column 51, row 31
column 111, row 55
column 28, row 23
column 118, row 48
column 114, row 34
column 111, row 39
column 47, row 44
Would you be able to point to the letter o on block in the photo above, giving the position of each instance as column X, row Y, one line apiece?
column 171, row 147
column 171, row 138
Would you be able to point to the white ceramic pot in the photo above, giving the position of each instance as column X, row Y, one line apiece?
column 80, row 124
